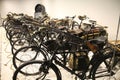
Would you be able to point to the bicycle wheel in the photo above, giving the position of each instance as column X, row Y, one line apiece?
column 28, row 53
column 103, row 70
column 36, row 70
column 18, row 44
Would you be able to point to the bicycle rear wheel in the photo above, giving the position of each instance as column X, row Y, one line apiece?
column 35, row 70
column 103, row 70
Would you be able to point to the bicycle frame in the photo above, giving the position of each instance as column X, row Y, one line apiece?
column 63, row 63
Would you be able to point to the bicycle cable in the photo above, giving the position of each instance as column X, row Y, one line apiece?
column 113, row 57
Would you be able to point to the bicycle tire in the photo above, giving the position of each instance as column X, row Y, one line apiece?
column 108, row 73
column 35, row 50
column 52, row 67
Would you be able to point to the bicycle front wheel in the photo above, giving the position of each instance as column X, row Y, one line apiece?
column 34, row 70
column 28, row 53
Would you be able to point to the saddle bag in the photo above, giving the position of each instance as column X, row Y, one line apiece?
column 78, row 61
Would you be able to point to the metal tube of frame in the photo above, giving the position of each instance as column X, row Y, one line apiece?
column 113, row 57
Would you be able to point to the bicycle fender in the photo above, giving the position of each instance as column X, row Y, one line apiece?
column 96, row 62
column 56, row 68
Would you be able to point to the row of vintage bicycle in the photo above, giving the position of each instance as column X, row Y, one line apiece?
column 38, row 49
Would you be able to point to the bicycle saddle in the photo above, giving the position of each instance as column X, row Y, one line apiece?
column 100, row 40
column 92, row 21
column 82, row 17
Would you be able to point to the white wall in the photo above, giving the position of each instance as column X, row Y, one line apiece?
column 106, row 12
column 18, row 6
